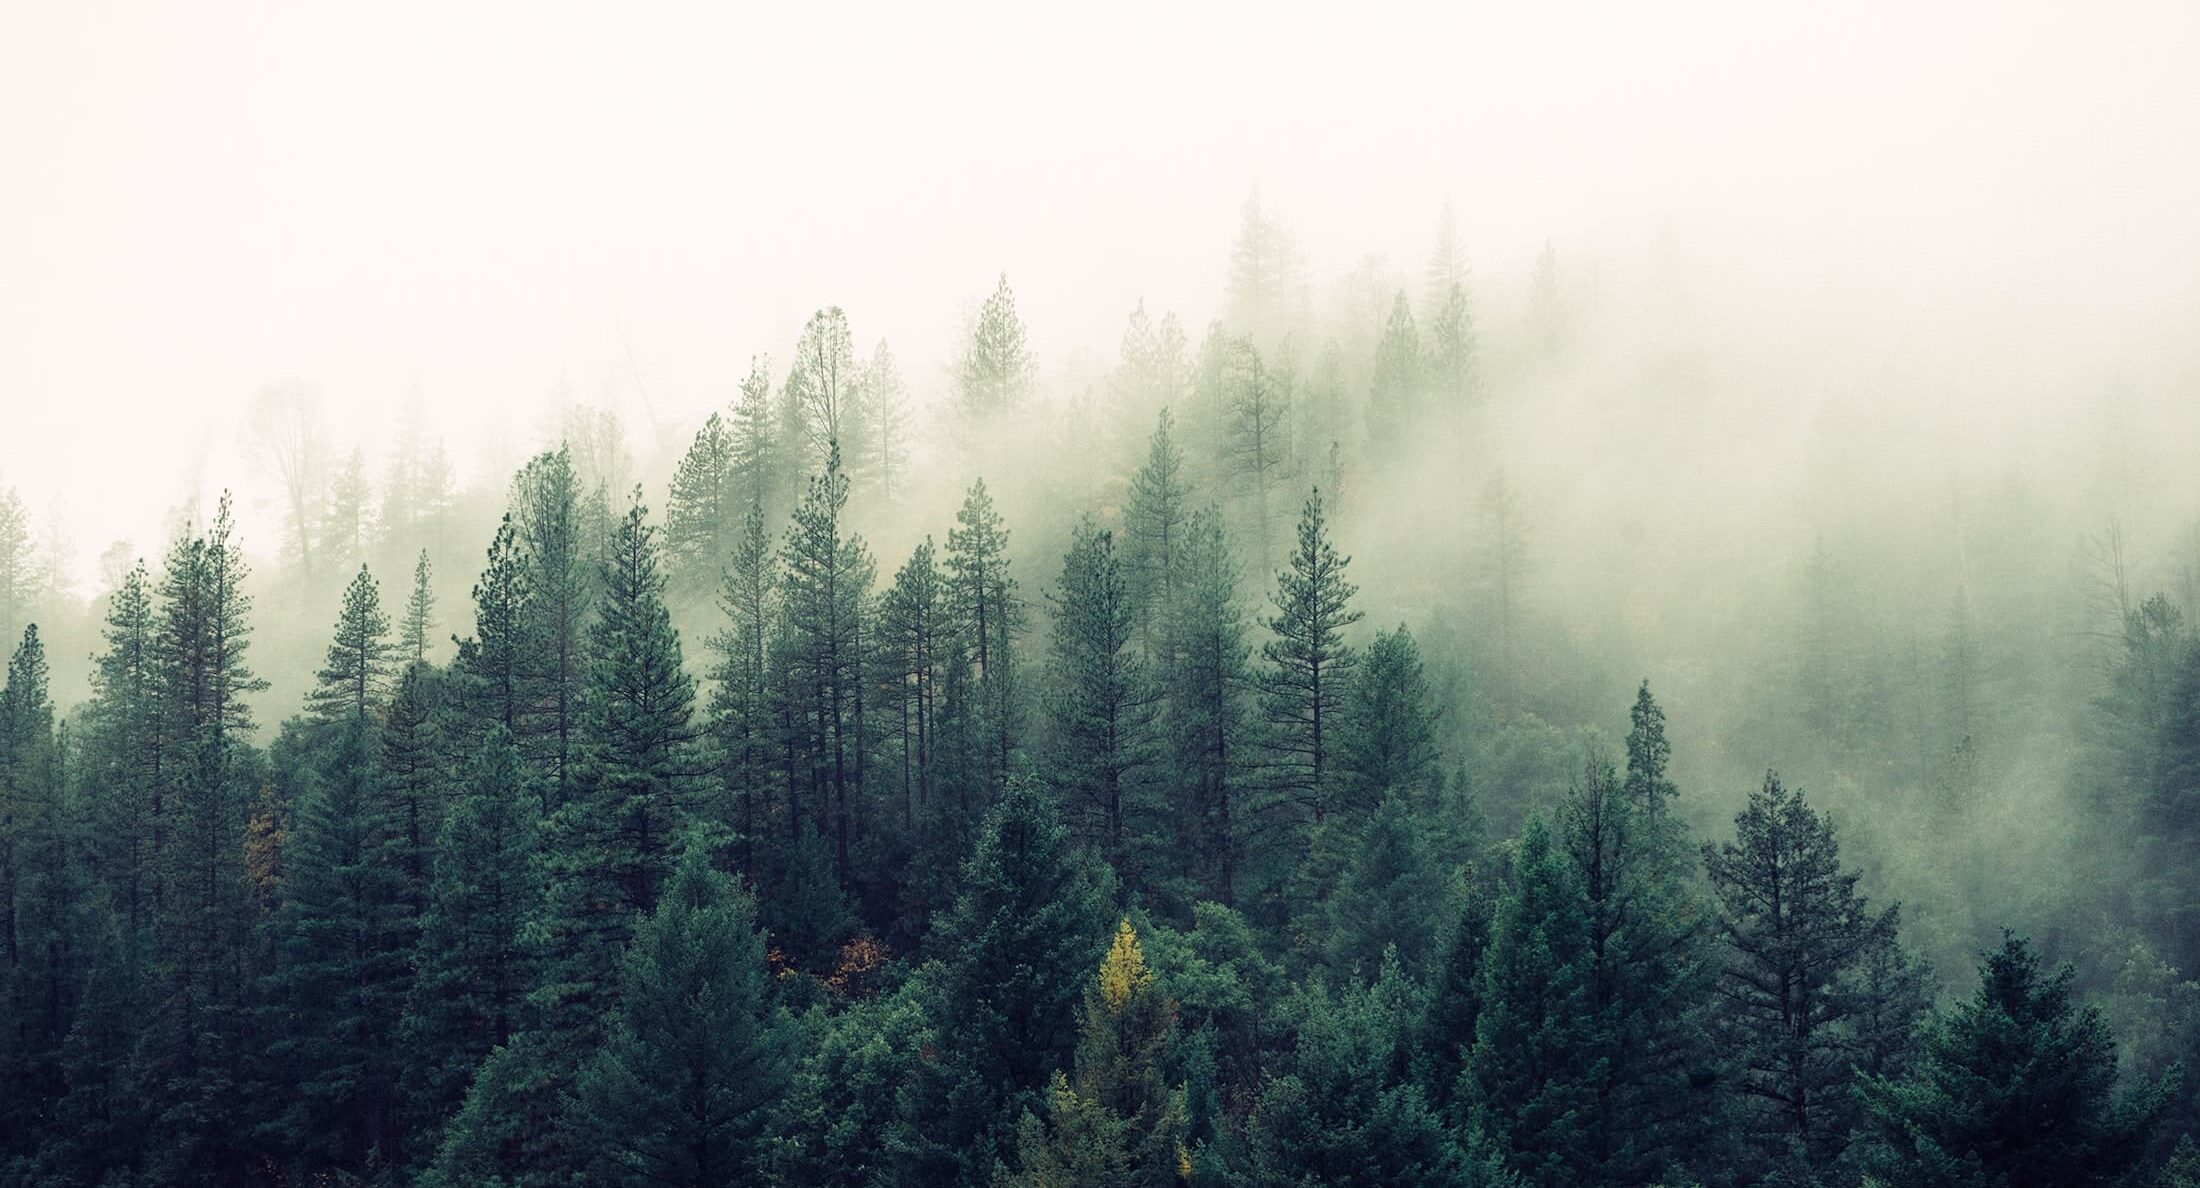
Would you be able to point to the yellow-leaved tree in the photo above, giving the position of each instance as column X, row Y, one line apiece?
column 1116, row 1121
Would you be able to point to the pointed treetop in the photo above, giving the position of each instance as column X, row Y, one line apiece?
column 1123, row 973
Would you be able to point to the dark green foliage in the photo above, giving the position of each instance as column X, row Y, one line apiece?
column 1100, row 706
column 412, row 778
column 510, row 1132
column 909, row 662
column 740, row 703
column 471, row 970
column 989, row 616
column 700, row 511
column 1342, row 1111
column 1795, row 927
column 1156, row 535
column 412, row 638
column 191, row 1059
column 1651, row 976
column 833, row 1122
column 356, row 675
column 1448, row 1029
column 697, row 1054
column 1015, row 952
column 2015, row 1086
column 1531, row 1083
column 827, row 585
column 491, row 924
column 1648, row 755
column 1207, row 714
column 1116, row 1121
column 558, row 590
column 123, row 757
column 1389, row 739
column 805, row 909
column 347, row 926
column 1396, row 894
column 610, row 847
column 2183, row 1168
column 494, row 664
column 1309, row 664
column 40, row 971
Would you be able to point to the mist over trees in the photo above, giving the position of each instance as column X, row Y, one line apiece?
column 1343, row 742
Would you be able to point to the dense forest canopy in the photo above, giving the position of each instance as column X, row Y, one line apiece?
column 991, row 597
column 1262, row 762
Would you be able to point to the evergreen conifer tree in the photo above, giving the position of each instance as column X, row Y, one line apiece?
column 2016, row 1086
column 693, row 1062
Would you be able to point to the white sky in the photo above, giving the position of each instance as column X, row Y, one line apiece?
column 483, row 197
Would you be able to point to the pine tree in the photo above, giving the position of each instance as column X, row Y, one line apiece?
column 1454, row 362
column 193, row 1052
column 1391, row 895
column 17, row 570
column 698, row 520
column 911, row 644
column 759, row 473
column 494, row 665
column 1795, row 926
column 827, row 586
column 1448, row 1028
column 837, row 1116
column 886, row 412
column 2018, row 1085
column 1309, row 664
column 989, row 616
column 347, row 929
column 741, row 694
column 1206, row 712
column 1447, row 262
column 1266, row 275
column 697, row 1054
column 609, row 849
column 1454, row 356
column 355, row 677
column 549, row 520
column 412, row 638
column 1341, row 1109
column 1648, row 754
column 804, row 907
column 1101, row 706
column 995, row 374
column 125, row 760
column 1117, row 1121
column 1154, row 526
column 99, row 1122
column 411, row 758
column 1151, row 370
column 346, row 529
column 1389, row 738
column 1650, row 985
column 1393, row 400
column 1531, row 1082
column 472, row 969
column 1257, row 445
column 826, row 392
column 1027, row 927
column 40, row 971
